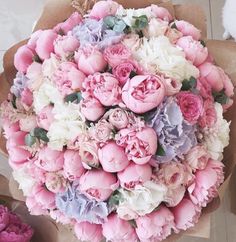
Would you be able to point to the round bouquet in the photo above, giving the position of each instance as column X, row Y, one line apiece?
column 114, row 123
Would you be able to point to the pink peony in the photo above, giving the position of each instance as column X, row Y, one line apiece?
column 104, row 87
column 134, row 174
column 33, row 39
column 113, row 158
column 23, row 58
column 191, row 106
column 161, row 13
column 88, row 232
column 68, row 78
column 50, row 160
column 4, row 217
column 55, row 182
column 139, row 146
column 27, row 97
column 174, row 196
column 98, row 184
column 155, row 226
column 17, row 139
column 34, row 207
column 188, row 29
column 193, row 49
column 117, row 54
column 206, row 183
column 9, row 128
column 45, row 117
column 35, row 76
column 44, row 45
column 103, row 8
column 73, row 168
column 143, row 93
column 186, row 214
column 69, row 24
column 173, row 35
column 90, row 60
column 117, row 230
column 204, row 89
column 92, row 109
column 28, row 123
column 172, row 86
column 118, row 118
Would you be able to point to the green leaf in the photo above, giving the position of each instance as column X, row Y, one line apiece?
column 30, row 140
column 2, row 202
column 36, row 59
column 120, row 26
column 74, row 97
column 115, row 199
column 140, row 22
column 41, row 134
column 132, row 74
column 174, row 26
column 203, row 43
column 188, row 85
column 160, row 151
column 133, row 223
column 220, row 97
column 109, row 21
column 13, row 102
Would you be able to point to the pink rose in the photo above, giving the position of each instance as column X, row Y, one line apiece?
column 188, row 29
column 102, row 131
column 88, row 232
column 73, row 168
column 155, row 226
column 197, row 158
column 161, row 13
column 98, row 184
column 55, row 182
column 208, row 118
column 131, row 41
column 65, row 45
column 117, row 230
column 68, row 78
column 113, row 158
column 28, row 123
column 134, row 175
column 69, row 24
column 92, row 109
column 143, row 93
column 44, row 45
column 118, row 118
column 217, row 78
column 186, row 214
column 193, row 49
column 172, row 86
column 9, row 128
column 23, row 58
column 45, row 117
column 104, row 87
column 90, row 60
column 4, row 217
column 50, row 160
column 191, row 106
column 174, row 196
column 206, row 184
column 27, row 97
column 103, row 8
column 139, row 146
column 117, row 54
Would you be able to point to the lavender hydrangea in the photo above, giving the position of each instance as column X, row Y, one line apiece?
column 94, row 32
column 76, row 205
column 176, row 136
column 19, row 84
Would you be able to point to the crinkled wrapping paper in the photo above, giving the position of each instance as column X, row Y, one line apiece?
column 224, row 53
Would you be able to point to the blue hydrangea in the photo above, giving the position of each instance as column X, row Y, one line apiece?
column 19, row 84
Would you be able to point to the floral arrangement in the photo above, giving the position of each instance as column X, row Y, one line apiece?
column 12, row 229
column 114, row 123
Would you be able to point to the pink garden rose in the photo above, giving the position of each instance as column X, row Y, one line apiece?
column 88, row 232
column 117, row 54
column 55, row 182
column 45, row 117
column 44, row 45
column 23, row 58
column 193, row 49
column 143, row 93
column 191, row 106
column 68, row 78
column 188, row 29
column 134, row 174
column 186, row 214
column 4, row 217
column 65, row 45
column 206, row 183
column 69, row 24
column 90, row 60
column 92, row 109
column 104, row 87
column 113, row 158
column 155, row 226
column 98, row 184
column 117, row 230
column 118, row 118
column 139, row 146
column 161, row 13
column 103, row 8
column 73, row 168
column 50, row 160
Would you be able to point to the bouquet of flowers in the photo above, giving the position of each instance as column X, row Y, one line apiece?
column 114, row 123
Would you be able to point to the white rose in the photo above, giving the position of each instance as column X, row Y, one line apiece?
column 217, row 138
column 159, row 55
column 140, row 201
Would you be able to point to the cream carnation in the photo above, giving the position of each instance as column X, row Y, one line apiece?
column 50, row 66
column 159, row 55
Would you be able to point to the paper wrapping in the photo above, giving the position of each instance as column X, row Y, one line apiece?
column 224, row 53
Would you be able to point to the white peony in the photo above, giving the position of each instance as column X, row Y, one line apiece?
column 143, row 199
column 217, row 138
column 159, row 55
